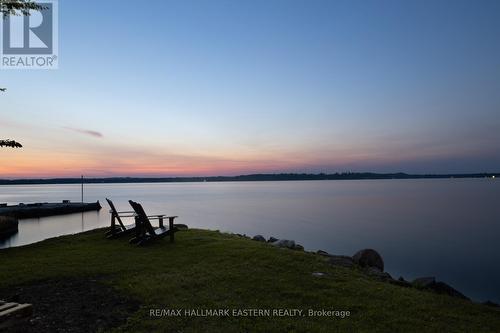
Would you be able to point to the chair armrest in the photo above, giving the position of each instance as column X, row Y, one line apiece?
column 156, row 216
column 124, row 212
column 123, row 215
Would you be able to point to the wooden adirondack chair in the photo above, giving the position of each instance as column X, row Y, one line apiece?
column 145, row 231
column 119, row 229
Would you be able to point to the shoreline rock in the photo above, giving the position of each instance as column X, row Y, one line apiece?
column 375, row 272
column 424, row 282
column 369, row 258
column 283, row 243
column 298, row 247
column 259, row 238
column 490, row 303
column 439, row 287
column 287, row 243
column 344, row 261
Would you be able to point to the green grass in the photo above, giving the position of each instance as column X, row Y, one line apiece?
column 207, row 269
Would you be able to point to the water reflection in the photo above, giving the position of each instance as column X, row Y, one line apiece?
column 446, row 228
column 36, row 229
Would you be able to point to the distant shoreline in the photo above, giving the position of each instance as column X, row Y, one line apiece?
column 249, row 178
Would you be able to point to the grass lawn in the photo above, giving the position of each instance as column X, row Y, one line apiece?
column 210, row 270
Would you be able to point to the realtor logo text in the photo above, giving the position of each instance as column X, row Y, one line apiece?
column 30, row 41
column 247, row 313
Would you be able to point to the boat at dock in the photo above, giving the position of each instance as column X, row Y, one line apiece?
column 33, row 210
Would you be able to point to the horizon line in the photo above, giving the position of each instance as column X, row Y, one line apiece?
column 250, row 177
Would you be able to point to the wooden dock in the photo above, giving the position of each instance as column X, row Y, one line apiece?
column 33, row 210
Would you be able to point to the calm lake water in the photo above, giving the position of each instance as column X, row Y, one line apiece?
column 446, row 228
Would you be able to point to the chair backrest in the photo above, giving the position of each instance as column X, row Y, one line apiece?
column 114, row 212
column 143, row 218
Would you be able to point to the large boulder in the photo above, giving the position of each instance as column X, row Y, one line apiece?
column 290, row 244
column 322, row 253
column 369, row 258
column 259, row 238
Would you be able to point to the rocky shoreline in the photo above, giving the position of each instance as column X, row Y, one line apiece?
column 370, row 262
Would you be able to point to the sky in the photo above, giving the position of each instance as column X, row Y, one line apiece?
column 181, row 88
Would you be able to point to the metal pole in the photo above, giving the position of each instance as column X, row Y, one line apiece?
column 82, row 188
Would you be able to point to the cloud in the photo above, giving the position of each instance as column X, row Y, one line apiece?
column 85, row 131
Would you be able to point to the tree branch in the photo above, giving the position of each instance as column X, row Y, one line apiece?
column 10, row 143
column 18, row 7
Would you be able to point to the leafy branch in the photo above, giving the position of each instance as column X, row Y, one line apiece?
column 10, row 143
column 18, row 7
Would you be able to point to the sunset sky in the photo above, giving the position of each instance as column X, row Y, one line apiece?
column 175, row 88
